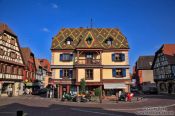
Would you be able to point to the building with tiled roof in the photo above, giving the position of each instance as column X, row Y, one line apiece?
column 164, row 68
column 11, row 62
column 97, row 55
column 43, row 73
column 143, row 73
column 99, row 36
column 30, row 67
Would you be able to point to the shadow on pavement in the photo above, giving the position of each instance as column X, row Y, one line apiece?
column 157, row 96
column 58, row 110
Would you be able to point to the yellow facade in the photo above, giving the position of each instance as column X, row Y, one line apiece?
column 107, row 58
column 96, row 74
column 107, row 74
column 56, row 59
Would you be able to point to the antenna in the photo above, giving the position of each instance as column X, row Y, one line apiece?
column 91, row 23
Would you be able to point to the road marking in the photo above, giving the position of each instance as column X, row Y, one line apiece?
column 109, row 114
column 143, row 108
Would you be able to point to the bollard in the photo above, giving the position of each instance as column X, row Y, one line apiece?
column 19, row 113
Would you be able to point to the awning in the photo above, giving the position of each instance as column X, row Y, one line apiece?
column 114, row 86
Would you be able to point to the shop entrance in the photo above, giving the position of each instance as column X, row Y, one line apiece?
column 5, row 88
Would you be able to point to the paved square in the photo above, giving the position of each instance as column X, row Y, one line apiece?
column 38, row 106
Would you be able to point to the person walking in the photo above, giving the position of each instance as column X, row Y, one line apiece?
column 51, row 93
column 9, row 91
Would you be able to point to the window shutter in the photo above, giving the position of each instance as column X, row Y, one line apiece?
column 61, row 57
column 71, row 57
column 124, row 72
column 122, row 56
column 70, row 73
column 114, row 72
column 61, row 73
column 113, row 57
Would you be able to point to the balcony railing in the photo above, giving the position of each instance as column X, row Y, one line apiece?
column 88, row 62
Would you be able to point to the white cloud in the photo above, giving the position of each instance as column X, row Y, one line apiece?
column 45, row 29
column 54, row 5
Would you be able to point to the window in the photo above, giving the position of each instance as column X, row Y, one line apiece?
column 89, row 74
column 89, row 55
column 66, row 57
column 119, row 72
column 69, row 41
column 20, row 71
column 109, row 41
column 150, row 63
column 9, row 69
column 118, row 57
column 89, row 40
column 1, row 67
column 12, row 41
column 1, row 52
column 13, row 55
column 66, row 73
column 5, row 38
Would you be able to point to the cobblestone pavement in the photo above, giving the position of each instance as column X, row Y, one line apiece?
column 35, row 106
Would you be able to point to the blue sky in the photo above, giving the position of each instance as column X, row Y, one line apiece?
column 147, row 24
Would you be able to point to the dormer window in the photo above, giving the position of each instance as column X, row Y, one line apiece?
column 109, row 41
column 89, row 40
column 69, row 41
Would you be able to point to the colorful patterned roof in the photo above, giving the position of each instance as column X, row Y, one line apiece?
column 98, row 36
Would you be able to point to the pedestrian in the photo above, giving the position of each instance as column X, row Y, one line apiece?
column 9, row 91
column 50, row 93
column 47, row 93
column 119, row 93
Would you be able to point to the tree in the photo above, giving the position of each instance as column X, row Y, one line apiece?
column 82, row 85
column 97, row 92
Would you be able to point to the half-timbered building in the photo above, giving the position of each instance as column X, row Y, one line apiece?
column 30, row 67
column 164, row 68
column 11, row 62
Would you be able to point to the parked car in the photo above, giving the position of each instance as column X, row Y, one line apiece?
column 43, row 91
column 39, row 91
column 134, row 90
column 153, row 90
column 150, row 90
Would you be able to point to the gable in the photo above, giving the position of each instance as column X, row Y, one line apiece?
column 11, row 48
